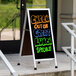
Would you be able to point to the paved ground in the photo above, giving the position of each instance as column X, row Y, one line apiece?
column 8, row 34
column 26, row 66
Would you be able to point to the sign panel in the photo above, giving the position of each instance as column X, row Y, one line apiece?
column 41, row 34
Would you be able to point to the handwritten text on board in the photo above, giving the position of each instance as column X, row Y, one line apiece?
column 40, row 32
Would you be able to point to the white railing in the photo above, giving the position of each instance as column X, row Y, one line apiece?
column 73, row 35
column 9, row 66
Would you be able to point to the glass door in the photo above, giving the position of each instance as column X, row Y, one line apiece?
column 52, row 4
column 9, row 26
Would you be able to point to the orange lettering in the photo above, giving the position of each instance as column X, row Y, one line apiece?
column 45, row 26
column 37, row 19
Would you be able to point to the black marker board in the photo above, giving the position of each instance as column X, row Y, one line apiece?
column 41, row 34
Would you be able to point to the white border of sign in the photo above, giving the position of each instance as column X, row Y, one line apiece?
column 28, row 14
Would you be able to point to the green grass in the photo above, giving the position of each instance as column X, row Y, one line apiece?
column 39, row 2
column 7, row 11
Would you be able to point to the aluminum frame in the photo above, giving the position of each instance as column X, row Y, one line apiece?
column 32, row 38
column 23, row 33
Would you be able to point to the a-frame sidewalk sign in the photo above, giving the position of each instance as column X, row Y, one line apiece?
column 41, row 35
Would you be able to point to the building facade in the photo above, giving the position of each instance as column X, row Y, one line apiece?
column 66, row 12
column 61, row 11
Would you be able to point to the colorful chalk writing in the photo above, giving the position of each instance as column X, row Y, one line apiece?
column 41, row 30
column 38, row 26
column 35, row 19
column 43, row 49
column 42, row 41
column 41, row 33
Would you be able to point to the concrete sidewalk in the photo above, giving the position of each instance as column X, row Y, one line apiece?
column 44, row 68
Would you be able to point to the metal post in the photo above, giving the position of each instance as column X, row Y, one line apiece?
column 22, row 15
column 72, row 52
column 73, row 35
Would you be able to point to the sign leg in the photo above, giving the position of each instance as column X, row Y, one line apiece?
column 56, row 66
column 35, row 68
column 38, row 62
column 72, row 52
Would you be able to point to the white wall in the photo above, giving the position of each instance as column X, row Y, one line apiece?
column 65, row 13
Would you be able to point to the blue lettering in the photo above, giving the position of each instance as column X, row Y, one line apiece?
column 41, row 33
